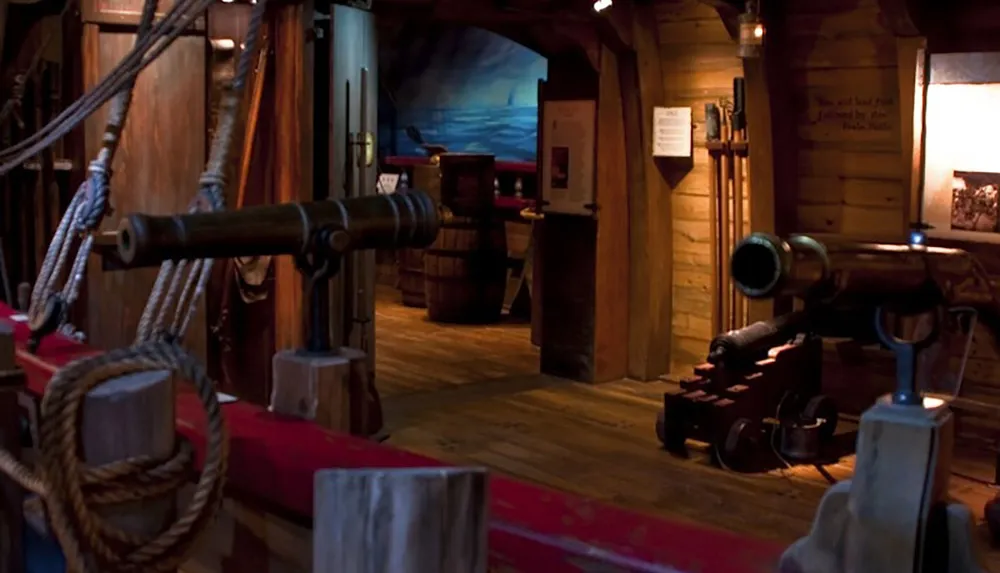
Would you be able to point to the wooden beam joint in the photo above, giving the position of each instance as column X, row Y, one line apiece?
column 905, row 18
column 729, row 12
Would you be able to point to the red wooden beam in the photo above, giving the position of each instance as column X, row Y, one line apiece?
column 501, row 166
column 533, row 529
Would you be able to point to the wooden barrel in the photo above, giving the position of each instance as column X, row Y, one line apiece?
column 465, row 271
column 467, row 183
column 411, row 277
column 426, row 178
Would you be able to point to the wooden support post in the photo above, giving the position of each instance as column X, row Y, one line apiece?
column 128, row 417
column 772, row 162
column 611, row 260
column 293, row 143
column 330, row 389
column 412, row 520
column 650, row 222
column 11, row 494
column 913, row 81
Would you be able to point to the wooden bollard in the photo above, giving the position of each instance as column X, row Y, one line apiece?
column 131, row 416
column 320, row 387
column 413, row 520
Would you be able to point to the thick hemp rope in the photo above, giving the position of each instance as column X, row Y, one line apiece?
column 73, row 493
column 174, row 289
column 86, row 210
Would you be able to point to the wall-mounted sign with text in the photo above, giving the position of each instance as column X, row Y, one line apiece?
column 671, row 132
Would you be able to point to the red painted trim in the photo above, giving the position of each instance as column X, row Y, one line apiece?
column 501, row 166
column 533, row 529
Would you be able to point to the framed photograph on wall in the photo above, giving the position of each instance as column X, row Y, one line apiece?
column 569, row 146
column 974, row 201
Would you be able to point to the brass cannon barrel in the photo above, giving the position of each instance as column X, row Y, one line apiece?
column 398, row 220
column 766, row 266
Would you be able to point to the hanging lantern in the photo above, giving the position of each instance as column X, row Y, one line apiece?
column 751, row 32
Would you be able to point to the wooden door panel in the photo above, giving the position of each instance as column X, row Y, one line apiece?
column 156, row 170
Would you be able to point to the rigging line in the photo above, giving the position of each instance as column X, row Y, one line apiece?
column 14, row 101
column 49, row 311
column 126, row 71
column 167, row 292
column 138, row 50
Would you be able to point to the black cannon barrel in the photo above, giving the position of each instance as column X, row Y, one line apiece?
column 399, row 220
column 747, row 342
column 766, row 266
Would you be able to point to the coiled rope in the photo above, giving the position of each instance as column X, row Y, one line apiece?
column 72, row 492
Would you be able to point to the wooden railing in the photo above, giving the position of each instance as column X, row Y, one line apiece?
column 531, row 529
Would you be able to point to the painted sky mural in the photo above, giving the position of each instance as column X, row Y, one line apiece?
column 466, row 89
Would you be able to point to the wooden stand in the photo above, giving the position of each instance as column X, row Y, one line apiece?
column 400, row 521
column 892, row 515
column 330, row 389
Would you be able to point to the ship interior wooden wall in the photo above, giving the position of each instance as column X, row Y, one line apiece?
column 699, row 63
column 844, row 73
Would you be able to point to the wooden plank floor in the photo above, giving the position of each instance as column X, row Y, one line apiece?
column 472, row 395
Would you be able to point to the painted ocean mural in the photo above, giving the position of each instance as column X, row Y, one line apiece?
column 466, row 89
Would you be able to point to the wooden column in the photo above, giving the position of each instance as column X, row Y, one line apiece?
column 770, row 132
column 293, row 141
column 585, row 298
column 909, row 22
column 650, row 219
column 411, row 520
column 913, row 80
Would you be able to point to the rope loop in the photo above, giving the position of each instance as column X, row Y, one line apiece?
column 74, row 493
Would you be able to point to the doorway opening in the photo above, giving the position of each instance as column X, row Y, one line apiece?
column 458, row 118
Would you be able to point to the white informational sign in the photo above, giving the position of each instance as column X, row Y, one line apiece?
column 387, row 183
column 671, row 132
column 569, row 146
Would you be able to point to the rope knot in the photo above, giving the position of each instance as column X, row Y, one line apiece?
column 211, row 191
column 97, row 188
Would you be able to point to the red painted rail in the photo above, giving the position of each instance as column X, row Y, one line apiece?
column 533, row 529
column 500, row 166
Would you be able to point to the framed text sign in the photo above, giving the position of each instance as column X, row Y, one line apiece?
column 569, row 144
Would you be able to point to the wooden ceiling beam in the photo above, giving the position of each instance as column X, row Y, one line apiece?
column 729, row 12
column 614, row 26
column 905, row 18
